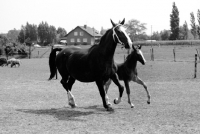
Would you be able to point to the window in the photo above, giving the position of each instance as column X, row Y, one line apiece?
column 84, row 39
column 78, row 40
column 75, row 33
column 72, row 39
column 81, row 33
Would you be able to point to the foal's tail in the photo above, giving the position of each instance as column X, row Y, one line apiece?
column 52, row 62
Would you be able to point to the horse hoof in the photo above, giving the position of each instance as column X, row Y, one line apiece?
column 115, row 101
column 73, row 105
column 110, row 109
column 132, row 106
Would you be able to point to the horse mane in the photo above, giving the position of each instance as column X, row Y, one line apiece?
column 104, row 36
column 101, row 41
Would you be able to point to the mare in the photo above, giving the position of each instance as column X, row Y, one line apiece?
column 127, row 72
column 95, row 64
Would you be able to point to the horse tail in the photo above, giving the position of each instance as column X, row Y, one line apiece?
column 52, row 62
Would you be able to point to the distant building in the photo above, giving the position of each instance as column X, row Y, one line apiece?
column 82, row 35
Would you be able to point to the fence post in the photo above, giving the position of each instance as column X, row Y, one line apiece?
column 195, row 66
column 174, row 52
column 152, row 54
column 198, row 53
column 38, row 53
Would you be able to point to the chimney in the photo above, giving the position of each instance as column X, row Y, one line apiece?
column 85, row 26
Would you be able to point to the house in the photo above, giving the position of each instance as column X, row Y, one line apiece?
column 82, row 35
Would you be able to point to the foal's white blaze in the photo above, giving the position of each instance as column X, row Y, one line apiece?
column 140, row 52
column 122, row 28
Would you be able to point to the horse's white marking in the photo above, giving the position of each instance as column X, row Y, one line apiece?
column 107, row 100
column 70, row 98
column 122, row 29
column 140, row 52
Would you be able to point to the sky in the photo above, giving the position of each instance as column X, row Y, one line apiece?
column 94, row 13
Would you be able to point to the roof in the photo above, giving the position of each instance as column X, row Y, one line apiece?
column 91, row 31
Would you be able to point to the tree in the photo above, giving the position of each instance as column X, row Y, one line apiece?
column 156, row 36
column 43, row 31
column 198, row 27
column 12, row 35
column 31, row 32
column 3, row 40
column 193, row 25
column 61, row 32
column 21, row 36
column 174, row 22
column 52, row 34
column 28, row 31
column 164, row 35
column 185, row 31
column 135, row 29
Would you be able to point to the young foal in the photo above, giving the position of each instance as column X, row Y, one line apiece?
column 127, row 72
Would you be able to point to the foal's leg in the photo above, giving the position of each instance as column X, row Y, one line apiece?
column 128, row 92
column 139, row 81
column 71, row 99
column 106, row 86
column 104, row 97
column 121, row 88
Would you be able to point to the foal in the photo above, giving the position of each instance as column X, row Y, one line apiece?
column 127, row 72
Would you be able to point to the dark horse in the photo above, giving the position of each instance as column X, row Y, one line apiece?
column 127, row 72
column 95, row 64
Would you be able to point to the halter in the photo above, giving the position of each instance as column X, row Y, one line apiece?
column 115, row 34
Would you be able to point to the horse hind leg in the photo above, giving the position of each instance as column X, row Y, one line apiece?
column 104, row 96
column 139, row 81
column 67, row 87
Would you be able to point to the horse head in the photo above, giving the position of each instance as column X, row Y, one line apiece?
column 120, row 36
column 137, row 53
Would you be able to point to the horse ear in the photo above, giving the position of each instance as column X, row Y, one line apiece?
column 139, row 46
column 133, row 48
column 123, row 21
column 113, row 23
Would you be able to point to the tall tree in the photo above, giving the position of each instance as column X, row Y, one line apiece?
column 136, row 29
column 193, row 25
column 174, row 22
column 21, row 36
column 52, row 34
column 185, row 30
column 43, row 32
column 198, row 18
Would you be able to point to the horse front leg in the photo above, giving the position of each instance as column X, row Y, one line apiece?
column 71, row 99
column 121, row 88
column 104, row 96
column 126, row 82
column 139, row 81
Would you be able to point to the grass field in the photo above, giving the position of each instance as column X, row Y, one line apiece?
column 31, row 104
